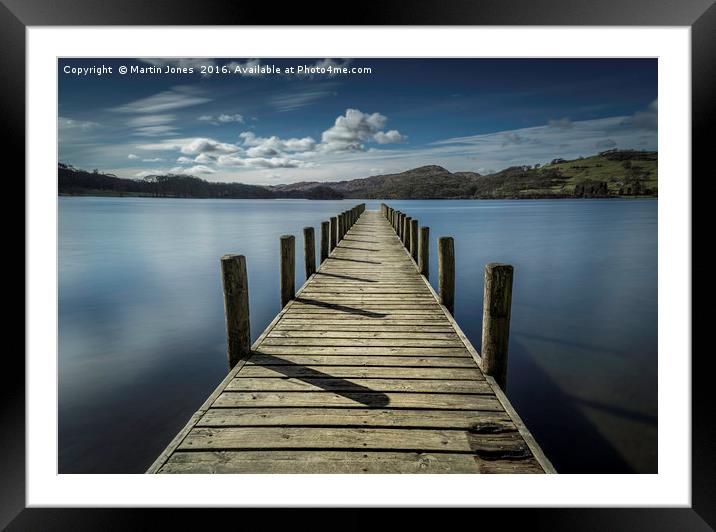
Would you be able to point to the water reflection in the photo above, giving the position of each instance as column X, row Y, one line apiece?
column 141, row 340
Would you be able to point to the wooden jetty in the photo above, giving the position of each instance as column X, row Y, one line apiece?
column 364, row 370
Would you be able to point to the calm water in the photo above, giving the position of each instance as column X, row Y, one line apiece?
column 141, row 341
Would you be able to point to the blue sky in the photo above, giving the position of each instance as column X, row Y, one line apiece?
column 281, row 127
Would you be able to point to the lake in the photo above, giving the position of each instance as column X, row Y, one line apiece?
column 142, row 336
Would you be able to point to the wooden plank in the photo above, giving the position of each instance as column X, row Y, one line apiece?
column 377, row 372
column 323, row 382
column 417, row 334
column 340, row 462
column 309, row 326
column 389, row 318
column 357, row 399
column 333, row 360
column 363, row 417
column 365, row 351
column 491, row 444
column 398, row 343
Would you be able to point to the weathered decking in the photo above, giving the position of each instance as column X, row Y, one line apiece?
column 363, row 372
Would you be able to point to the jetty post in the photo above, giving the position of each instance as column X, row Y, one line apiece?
column 334, row 232
column 235, row 282
column 496, row 308
column 406, row 232
column 446, row 272
column 424, row 252
column 325, row 240
column 288, row 269
column 414, row 239
column 309, row 251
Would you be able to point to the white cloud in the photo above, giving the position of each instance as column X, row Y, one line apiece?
column 175, row 98
column 155, row 131
column 204, row 158
column 352, row 129
column 185, row 160
column 65, row 124
column 224, row 118
column 204, row 145
column 260, row 162
column 150, row 120
column 132, row 156
column 152, row 160
column 388, row 137
column 272, row 146
column 198, row 169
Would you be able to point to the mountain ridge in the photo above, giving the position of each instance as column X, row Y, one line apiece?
column 610, row 173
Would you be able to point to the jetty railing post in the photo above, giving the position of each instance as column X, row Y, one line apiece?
column 309, row 251
column 234, row 278
column 446, row 272
column 424, row 252
column 334, row 232
column 414, row 240
column 496, row 321
column 288, row 269
column 325, row 240
column 406, row 232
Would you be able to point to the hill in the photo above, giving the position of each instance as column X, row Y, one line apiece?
column 425, row 182
column 76, row 182
column 611, row 173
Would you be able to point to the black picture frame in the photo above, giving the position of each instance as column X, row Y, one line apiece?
column 699, row 15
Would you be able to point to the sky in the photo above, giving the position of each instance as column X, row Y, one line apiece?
column 270, row 121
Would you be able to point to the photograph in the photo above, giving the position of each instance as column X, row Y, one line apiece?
column 357, row 265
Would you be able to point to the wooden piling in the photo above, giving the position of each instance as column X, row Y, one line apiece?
column 424, row 252
column 334, row 232
column 446, row 272
column 414, row 240
column 309, row 251
column 236, row 307
column 325, row 240
column 406, row 232
column 288, row 269
column 496, row 321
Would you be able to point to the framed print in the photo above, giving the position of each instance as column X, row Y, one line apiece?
column 284, row 265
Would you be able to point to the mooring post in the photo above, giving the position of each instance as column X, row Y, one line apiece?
column 496, row 321
column 446, row 272
column 424, row 252
column 236, row 307
column 325, row 240
column 403, row 216
column 309, row 251
column 414, row 240
column 406, row 232
column 288, row 269
column 334, row 232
